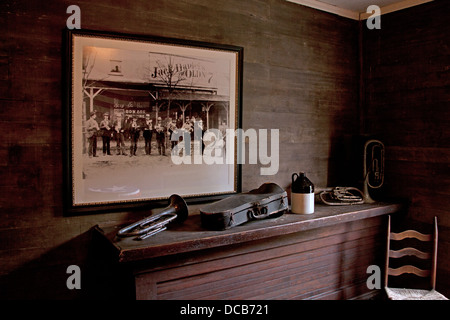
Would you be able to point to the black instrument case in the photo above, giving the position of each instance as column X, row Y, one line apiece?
column 269, row 200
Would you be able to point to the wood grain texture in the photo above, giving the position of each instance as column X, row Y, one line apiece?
column 324, row 263
column 411, row 234
column 409, row 269
column 190, row 237
column 409, row 252
column 298, row 67
column 300, row 75
column 406, row 103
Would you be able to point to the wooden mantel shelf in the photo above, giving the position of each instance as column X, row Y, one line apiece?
column 191, row 236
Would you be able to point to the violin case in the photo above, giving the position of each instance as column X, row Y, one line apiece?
column 269, row 200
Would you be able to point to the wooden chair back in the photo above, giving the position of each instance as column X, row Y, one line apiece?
column 411, row 251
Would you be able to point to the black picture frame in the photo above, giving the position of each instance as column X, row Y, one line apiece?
column 129, row 80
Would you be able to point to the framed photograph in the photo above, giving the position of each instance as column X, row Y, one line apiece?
column 148, row 117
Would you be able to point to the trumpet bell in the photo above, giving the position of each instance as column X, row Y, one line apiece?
column 180, row 208
column 177, row 211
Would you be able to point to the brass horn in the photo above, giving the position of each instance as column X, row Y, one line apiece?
column 373, row 167
column 176, row 211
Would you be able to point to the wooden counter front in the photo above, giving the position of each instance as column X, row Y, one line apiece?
column 322, row 255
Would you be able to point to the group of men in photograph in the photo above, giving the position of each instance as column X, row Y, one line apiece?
column 129, row 129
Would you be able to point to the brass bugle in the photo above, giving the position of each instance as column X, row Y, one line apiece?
column 373, row 167
column 176, row 211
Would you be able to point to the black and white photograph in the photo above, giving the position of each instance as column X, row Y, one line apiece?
column 133, row 101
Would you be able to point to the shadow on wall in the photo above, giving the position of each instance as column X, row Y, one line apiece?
column 46, row 278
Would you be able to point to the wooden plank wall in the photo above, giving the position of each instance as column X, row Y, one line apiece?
column 324, row 263
column 300, row 76
column 407, row 104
